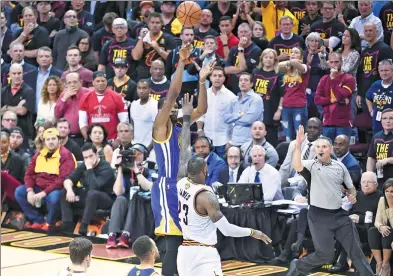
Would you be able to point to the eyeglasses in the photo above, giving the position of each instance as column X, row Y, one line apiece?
column 9, row 120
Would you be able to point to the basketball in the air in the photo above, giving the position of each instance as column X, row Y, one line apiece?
column 189, row 13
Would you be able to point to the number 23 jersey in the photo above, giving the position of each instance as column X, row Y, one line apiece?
column 195, row 226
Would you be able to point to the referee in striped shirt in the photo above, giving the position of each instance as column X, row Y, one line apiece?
column 327, row 221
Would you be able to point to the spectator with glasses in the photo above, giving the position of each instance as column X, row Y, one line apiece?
column 9, row 119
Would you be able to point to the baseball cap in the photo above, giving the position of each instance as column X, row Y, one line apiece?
column 146, row 3
column 173, row 2
column 17, row 130
column 50, row 132
column 120, row 62
column 97, row 74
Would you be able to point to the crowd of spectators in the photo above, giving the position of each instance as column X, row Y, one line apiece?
column 82, row 82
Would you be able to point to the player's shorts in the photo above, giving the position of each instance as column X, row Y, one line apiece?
column 164, row 204
column 198, row 261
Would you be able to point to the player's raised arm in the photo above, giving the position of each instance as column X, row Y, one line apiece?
column 185, row 146
column 173, row 91
column 209, row 202
column 202, row 97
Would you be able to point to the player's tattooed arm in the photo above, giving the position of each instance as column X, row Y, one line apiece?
column 210, row 203
column 185, row 146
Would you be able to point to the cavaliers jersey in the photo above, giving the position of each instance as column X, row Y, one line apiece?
column 136, row 271
column 195, row 227
column 164, row 192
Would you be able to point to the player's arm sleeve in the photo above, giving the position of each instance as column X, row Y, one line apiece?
column 231, row 230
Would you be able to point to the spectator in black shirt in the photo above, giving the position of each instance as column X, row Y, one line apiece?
column 19, row 97
column 345, row 12
column 120, row 47
column 16, row 144
column 386, row 16
column 85, row 18
column 243, row 58
column 159, row 84
column 269, row 85
column 125, row 136
column 12, row 170
column 100, row 9
column 312, row 16
column 367, row 72
column 156, row 45
column 329, row 28
column 97, row 178
column 32, row 36
column 122, row 83
column 259, row 35
column 6, row 38
column 380, row 154
column 63, row 126
column 50, row 23
column 103, row 34
column 219, row 9
column 146, row 8
column 171, row 24
column 88, row 59
column 286, row 40
column 204, row 29
column 298, row 9
column 16, row 13
column 17, row 54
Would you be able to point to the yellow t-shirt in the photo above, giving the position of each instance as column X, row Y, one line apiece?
column 271, row 19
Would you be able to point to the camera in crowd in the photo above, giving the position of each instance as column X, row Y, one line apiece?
column 128, row 157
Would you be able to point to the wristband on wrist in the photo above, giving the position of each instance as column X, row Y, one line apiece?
column 280, row 107
column 138, row 173
column 252, row 232
column 199, row 130
column 201, row 82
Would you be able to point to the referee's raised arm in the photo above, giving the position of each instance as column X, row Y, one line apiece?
column 297, row 153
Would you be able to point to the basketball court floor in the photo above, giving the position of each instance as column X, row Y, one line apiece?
column 37, row 254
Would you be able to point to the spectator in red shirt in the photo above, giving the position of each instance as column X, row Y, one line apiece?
column 43, row 182
column 227, row 39
column 67, row 105
column 103, row 106
column 334, row 93
column 74, row 58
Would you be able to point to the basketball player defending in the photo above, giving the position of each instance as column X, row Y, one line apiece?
column 199, row 212
column 166, row 146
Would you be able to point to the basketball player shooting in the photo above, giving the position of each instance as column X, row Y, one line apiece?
column 199, row 212
column 166, row 133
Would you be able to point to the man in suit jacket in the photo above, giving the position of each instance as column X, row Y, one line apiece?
column 204, row 148
column 313, row 130
column 232, row 173
column 99, row 8
column 7, row 38
column 36, row 78
column 341, row 150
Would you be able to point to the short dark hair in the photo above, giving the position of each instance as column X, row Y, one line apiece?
column 88, row 146
column 108, row 18
column 219, row 68
column 187, row 28
column 324, row 138
column 226, row 18
column 210, row 37
column 155, row 15
column 62, row 120
column 246, row 74
column 73, row 47
column 79, row 249
column 329, row 2
column 142, row 246
column 144, row 81
column 195, row 165
column 387, row 110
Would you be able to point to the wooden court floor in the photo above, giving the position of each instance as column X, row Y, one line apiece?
column 37, row 254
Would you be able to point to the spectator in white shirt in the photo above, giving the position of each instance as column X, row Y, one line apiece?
column 260, row 172
column 212, row 124
column 143, row 114
column 258, row 134
column 366, row 16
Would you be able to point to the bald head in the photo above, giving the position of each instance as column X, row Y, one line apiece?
column 370, row 32
column 341, row 145
column 369, row 182
column 258, row 131
column 313, row 129
column 16, row 74
column 233, row 157
column 206, row 18
column 157, row 70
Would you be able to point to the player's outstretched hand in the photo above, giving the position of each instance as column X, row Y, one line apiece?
column 185, row 51
column 261, row 236
column 207, row 70
column 186, row 103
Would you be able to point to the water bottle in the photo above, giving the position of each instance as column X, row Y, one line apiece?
column 380, row 173
column 38, row 203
